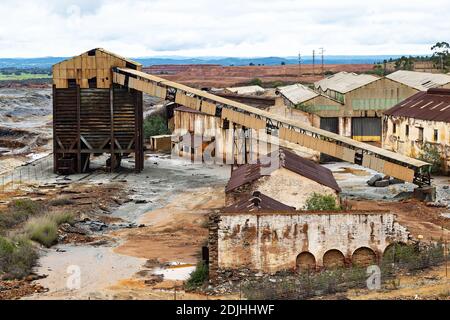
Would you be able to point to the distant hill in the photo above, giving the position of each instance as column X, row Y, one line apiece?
column 47, row 62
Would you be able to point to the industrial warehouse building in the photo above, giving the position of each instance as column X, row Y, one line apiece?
column 363, row 98
column 419, row 121
column 298, row 102
column 288, row 178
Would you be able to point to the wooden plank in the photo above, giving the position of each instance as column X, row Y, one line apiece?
column 283, row 133
column 225, row 113
column 206, row 106
column 366, row 160
column 348, row 155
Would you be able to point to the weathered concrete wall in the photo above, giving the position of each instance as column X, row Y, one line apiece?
column 279, row 241
column 411, row 145
column 285, row 186
column 228, row 144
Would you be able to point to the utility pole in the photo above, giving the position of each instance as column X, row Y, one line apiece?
column 314, row 62
column 321, row 53
column 299, row 65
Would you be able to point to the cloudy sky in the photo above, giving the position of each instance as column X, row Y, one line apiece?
column 136, row 28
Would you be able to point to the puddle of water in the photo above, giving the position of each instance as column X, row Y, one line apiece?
column 177, row 271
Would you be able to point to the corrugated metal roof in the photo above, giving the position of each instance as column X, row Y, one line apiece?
column 288, row 160
column 258, row 202
column 344, row 82
column 274, row 117
column 419, row 80
column 246, row 89
column 297, row 93
column 433, row 105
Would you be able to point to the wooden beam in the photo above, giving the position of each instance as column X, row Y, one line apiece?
column 78, row 129
column 86, row 143
column 111, row 106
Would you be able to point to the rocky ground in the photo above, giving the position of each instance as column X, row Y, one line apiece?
column 25, row 126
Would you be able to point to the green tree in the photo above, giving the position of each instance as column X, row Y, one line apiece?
column 430, row 153
column 255, row 82
column 321, row 202
column 155, row 125
column 441, row 55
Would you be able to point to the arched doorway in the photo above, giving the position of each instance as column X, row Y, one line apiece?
column 364, row 257
column 333, row 259
column 305, row 262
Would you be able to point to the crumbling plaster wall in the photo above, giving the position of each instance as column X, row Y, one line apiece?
column 410, row 145
column 272, row 242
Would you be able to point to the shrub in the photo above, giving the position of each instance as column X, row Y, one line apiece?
column 198, row 276
column 321, row 202
column 414, row 257
column 43, row 230
column 17, row 212
column 306, row 285
column 155, row 125
column 430, row 153
column 27, row 206
column 16, row 258
column 62, row 217
column 255, row 82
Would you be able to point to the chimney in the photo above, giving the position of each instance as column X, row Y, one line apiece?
column 256, row 200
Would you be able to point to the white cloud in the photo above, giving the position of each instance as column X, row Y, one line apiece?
column 224, row 28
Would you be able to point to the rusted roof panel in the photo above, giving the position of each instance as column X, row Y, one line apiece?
column 288, row 160
column 244, row 174
column 258, row 202
column 309, row 169
column 432, row 105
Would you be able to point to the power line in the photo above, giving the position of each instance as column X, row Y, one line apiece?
column 321, row 53
column 314, row 62
column 299, row 65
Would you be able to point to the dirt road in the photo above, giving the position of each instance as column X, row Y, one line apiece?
column 175, row 232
